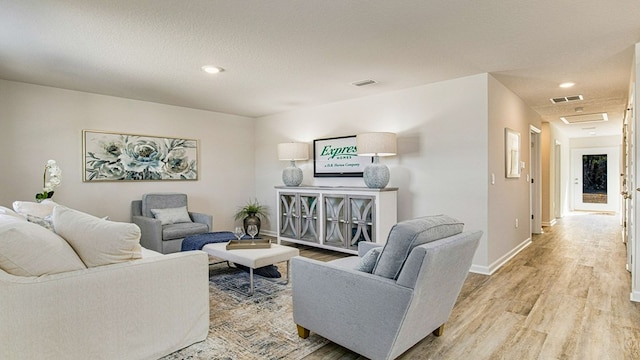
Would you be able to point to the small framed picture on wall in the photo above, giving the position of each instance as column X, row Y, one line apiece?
column 511, row 153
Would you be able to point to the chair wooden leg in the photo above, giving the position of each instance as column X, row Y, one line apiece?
column 302, row 332
column 439, row 331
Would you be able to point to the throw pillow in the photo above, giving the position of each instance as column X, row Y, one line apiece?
column 27, row 249
column 5, row 218
column 368, row 261
column 8, row 213
column 97, row 241
column 172, row 215
column 41, row 210
column 406, row 235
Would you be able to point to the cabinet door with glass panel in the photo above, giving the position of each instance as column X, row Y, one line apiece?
column 298, row 216
column 335, row 216
column 348, row 220
column 308, row 217
column 360, row 224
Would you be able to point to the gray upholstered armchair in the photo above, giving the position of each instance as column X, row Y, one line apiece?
column 165, row 230
column 410, row 292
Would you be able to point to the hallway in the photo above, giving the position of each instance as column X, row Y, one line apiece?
column 566, row 296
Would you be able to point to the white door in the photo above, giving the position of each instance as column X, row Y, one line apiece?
column 558, row 204
column 627, row 184
column 535, row 190
column 596, row 179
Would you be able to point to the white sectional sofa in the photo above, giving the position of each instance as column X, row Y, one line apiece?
column 93, row 293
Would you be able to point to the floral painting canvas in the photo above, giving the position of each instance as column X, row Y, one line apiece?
column 114, row 157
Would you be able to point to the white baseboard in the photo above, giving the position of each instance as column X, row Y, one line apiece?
column 635, row 296
column 549, row 223
column 482, row 270
column 492, row 268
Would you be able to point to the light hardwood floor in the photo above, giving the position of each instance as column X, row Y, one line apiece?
column 566, row 296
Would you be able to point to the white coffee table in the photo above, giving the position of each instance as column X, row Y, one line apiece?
column 253, row 258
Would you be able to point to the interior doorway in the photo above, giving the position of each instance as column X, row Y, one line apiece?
column 557, row 199
column 534, row 177
column 626, row 184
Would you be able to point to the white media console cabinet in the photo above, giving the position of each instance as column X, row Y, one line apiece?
column 335, row 218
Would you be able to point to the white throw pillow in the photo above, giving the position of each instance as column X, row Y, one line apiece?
column 97, row 241
column 8, row 212
column 4, row 218
column 41, row 210
column 172, row 215
column 27, row 249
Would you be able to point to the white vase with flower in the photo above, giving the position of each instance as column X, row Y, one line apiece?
column 55, row 174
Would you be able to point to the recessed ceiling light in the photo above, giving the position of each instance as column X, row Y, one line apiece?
column 210, row 69
column 586, row 118
column 567, row 85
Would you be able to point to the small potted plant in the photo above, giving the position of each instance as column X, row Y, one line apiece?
column 252, row 213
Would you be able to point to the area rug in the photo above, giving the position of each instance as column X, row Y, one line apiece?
column 249, row 327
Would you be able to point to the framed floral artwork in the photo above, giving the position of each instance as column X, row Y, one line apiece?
column 111, row 156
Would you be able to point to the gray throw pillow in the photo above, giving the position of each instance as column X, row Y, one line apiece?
column 172, row 215
column 406, row 235
column 368, row 261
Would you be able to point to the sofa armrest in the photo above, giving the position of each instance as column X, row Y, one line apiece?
column 140, row 309
column 365, row 246
column 202, row 219
column 150, row 232
column 352, row 308
column 136, row 208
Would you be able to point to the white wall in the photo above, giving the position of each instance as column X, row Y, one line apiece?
column 635, row 244
column 560, row 194
column 596, row 141
column 451, row 139
column 40, row 123
column 442, row 142
column 508, row 197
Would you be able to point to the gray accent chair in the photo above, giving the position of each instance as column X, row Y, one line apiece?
column 410, row 293
column 166, row 238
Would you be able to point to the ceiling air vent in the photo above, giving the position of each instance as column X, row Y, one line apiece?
column 586, row 118
column 364, row 82
column 565, row 99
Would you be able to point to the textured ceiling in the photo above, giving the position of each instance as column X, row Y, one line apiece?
column 281, row 55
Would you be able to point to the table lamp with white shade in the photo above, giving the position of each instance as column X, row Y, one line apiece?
column 376, row 144
column 292, row 175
